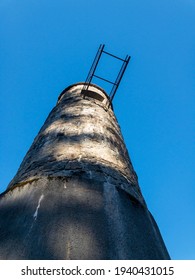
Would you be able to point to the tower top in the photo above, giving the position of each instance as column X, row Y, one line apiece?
column 92, row 91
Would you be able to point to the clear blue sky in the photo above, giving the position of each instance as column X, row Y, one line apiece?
column 47, row 45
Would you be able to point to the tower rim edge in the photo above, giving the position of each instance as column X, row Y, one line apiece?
column 84, row 83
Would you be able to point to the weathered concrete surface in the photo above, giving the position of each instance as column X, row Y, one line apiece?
column 76, row 218
column 76, row 195
column 79, row 134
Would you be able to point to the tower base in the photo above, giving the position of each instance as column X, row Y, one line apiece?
column 76, row 218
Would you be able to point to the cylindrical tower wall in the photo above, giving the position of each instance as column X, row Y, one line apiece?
column 76, row 195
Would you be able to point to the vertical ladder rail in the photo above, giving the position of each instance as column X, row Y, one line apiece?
column 93, row 67
column 119, row 77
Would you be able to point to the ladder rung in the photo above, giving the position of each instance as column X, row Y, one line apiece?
column 113, row 55
column 104, row 79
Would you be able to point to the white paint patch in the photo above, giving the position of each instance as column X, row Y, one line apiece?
column 65, row 187
column 90, row 174
column 79, row 159
column 37, row 209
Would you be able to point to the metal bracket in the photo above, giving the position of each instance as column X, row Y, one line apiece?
column 94, row 65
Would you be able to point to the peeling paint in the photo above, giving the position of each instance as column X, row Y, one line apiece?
column 90, row 174
column 38, row 206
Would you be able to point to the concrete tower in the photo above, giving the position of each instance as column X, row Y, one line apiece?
column 76, row 195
